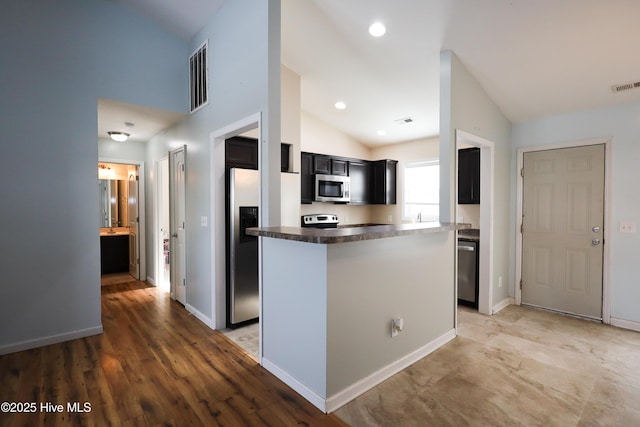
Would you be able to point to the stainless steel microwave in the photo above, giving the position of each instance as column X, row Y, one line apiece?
column 332, row 188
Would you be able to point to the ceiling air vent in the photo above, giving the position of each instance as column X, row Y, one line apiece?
column 625, row 86
column 198, row 78
column 404, row 120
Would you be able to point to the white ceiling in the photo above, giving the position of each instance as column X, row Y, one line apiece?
column 533, row 58
column 141, row 123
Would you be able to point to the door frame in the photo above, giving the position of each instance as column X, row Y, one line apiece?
column 608, row 148
column 218, row 212
column 160, row 195
column 487, row 202
column 141, row 211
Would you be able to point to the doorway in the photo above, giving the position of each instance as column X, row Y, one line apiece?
column 484, row 212
column 562, row 230
column 218, row 230
column 163, row 227
column 122, row 220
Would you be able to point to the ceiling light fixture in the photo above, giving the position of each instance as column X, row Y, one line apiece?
column 382, row 132
column 377, row 29
column 118, row 136
column 340, row 105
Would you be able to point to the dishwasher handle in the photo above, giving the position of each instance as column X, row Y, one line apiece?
column 466, row 248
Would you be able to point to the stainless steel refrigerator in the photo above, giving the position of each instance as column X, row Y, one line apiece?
column 244, row 188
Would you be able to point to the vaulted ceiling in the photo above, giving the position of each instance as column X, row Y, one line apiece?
column 533, row 58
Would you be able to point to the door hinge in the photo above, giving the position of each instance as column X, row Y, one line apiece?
column 520, row 284
column 182, row 167
column 184, row 282
column 522, row 227
column 522, row 172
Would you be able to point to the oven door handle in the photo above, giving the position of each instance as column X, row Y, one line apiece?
column 466, row 248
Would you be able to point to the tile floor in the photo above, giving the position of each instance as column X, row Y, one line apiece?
column 521, row 367
column 246, row 337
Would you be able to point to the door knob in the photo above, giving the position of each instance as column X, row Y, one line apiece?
column 596, row 229
column 174, row 235
column 595, row 242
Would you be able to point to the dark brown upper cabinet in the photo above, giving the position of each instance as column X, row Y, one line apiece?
column 469, row 176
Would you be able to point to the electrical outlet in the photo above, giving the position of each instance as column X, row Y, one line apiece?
column 628, row 227
column 500, row 281
column 203, row 221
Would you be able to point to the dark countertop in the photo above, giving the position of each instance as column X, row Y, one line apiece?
column 469, row 234
column 352, row 234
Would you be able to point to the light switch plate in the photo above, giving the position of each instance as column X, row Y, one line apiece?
column 627, row 227
column 203, row 221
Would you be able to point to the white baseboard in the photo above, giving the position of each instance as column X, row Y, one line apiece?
column 345, row 396
column 200, row 316
column 314, row 398
column 502, row 304
column 626, row 324
column 53, row 339
column 151, row 281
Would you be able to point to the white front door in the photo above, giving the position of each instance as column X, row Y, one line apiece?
column 133, row 221
column 177, row 172
column 562, row 236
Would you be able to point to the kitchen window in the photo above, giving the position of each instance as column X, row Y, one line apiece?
column 421, row 190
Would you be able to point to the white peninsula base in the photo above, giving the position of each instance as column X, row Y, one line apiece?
column 328, row 308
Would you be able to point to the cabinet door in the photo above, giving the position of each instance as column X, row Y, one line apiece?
column 285, row 154
column 383, row 182
column 339, row 167
column 359, row 174
column 322, row 164
column 241, row 152
column 469, row 176
column 306, row 178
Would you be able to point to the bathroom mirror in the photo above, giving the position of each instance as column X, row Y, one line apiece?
column 113, row 202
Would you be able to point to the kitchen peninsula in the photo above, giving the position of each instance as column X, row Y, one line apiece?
column 329, row 297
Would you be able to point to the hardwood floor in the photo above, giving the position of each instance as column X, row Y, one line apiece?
column 154, row 365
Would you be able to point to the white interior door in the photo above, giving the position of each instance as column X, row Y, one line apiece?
column 133, row 223
column 562, row 236
column 177, row 172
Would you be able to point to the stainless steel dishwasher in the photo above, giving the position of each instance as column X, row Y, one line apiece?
column 468, row 272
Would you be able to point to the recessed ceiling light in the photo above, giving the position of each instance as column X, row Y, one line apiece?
column 382, row 132
column 377, row 29
column 340, row 105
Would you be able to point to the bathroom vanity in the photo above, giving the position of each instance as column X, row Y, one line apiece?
column 114, row 252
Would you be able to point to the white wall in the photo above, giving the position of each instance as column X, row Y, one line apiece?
column 59, row 66
column 410, row 151
column 242, row 83
column 319, row 137
column 464, row 106
column 622, row 124
column 290, row 120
